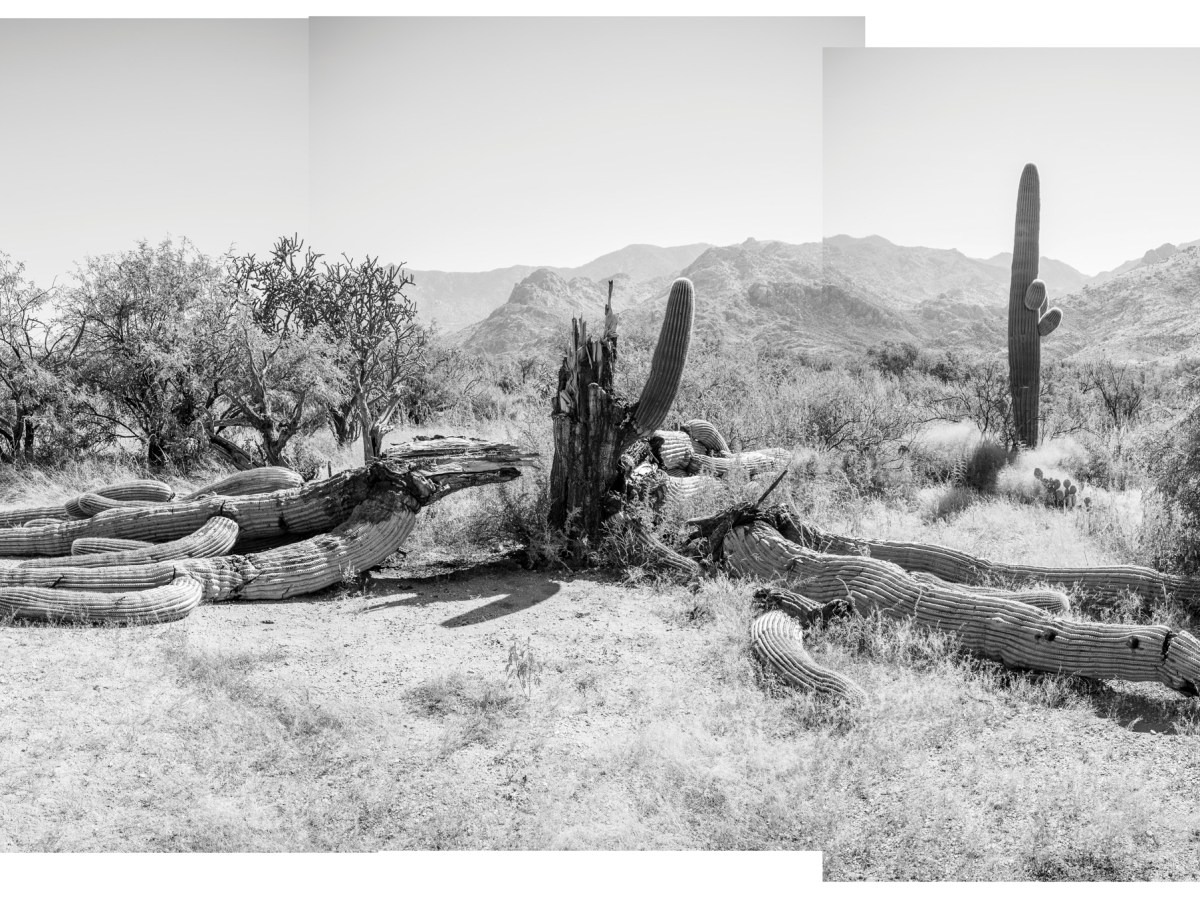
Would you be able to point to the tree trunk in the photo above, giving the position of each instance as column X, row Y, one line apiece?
column 156, row 452
column 235, row 455
column 345, row 426
column 365, row 425
column 27, row 441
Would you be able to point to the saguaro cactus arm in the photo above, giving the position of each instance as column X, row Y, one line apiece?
column 777, row 641
column 667, row 364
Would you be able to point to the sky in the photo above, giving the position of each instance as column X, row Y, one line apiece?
column 115, row 131
column 473, row 144
column 926, row 147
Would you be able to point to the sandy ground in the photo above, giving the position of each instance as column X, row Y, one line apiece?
column 647, row 730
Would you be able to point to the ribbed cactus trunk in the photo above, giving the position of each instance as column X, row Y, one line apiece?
column 1024, row 343
column 593, row 426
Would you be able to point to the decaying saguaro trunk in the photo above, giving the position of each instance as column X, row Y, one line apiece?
column 993, row 624
column 593, row 426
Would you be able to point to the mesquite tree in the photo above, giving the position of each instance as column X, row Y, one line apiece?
column 281, row 375
column 35, row 353
column 137, row 316
column 360, row 311
column 381, row 347
column 593, row 427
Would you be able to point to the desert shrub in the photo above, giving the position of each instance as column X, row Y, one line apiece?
column 880, row 473
column 982, row 466
column 1172, row 533
column 891, row 358
column 946, row 502
column 145, row 373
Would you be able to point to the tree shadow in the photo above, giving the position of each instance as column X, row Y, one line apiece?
column 505, row 605
column 528, row 590
column 1140, row 712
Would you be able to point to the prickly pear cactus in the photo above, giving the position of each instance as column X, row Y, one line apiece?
column 1028, row 318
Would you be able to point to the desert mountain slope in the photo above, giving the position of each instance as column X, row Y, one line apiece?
column 1149, row 258
column 849, row 294
column 457, row 299
column 535, row 316
column 774, row 294
column 1151, row 311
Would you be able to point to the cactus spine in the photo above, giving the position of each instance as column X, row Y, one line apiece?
column 1028, row 319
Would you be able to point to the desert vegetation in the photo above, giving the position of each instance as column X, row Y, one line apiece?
column 510, row 680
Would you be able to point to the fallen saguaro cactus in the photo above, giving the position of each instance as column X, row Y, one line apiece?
column 1028, row 318
column 776, row 638
column 343, row 526
column 686, row 463
column 145, row 490
column 1102, row 583
column 993, row 624
column 84, row 546
column 142, row 491
column 214, row 538
column 252, row 481
column 778, row 641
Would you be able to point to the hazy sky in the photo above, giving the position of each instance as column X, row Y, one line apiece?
column 925, row 147
column 470, row 144
column 126, row 129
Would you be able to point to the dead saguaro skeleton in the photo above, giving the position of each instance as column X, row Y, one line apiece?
column 594, row 427
column 157, row 561
column 606, row 449
column 1019, row 629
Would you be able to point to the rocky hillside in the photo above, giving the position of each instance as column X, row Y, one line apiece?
column 942, row 298
column 775, row 295
column 458, row 299
column 1149, row 258
column 1150, row 311
column 537, row 315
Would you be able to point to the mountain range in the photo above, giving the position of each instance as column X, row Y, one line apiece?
column 456, row 299
column 841, row 294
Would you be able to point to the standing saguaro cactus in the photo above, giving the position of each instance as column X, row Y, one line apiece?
column 1028, row 319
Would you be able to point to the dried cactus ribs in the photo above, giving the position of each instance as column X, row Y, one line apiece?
column 344, row 525
column 1028, row 318
column 994, row 624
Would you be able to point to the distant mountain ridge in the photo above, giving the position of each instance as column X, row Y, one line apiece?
column 1144, row 309
column 1149, row 258
column 458, row 299
column 849, row 294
